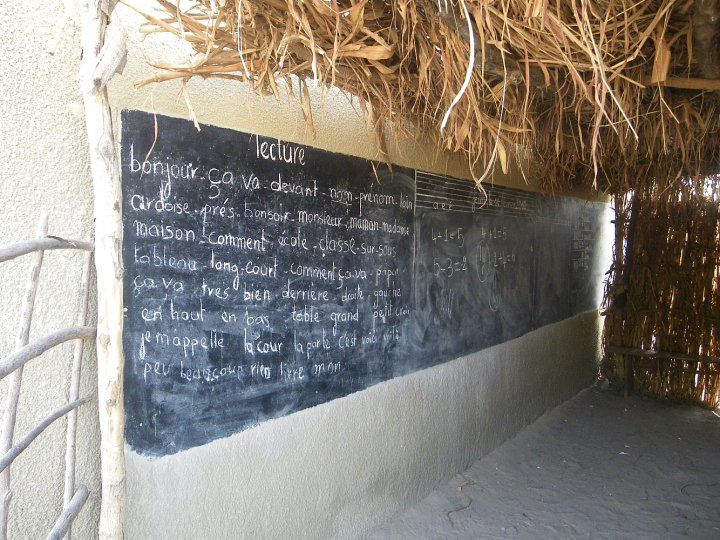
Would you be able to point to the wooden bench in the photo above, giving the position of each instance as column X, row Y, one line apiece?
column 629, row 353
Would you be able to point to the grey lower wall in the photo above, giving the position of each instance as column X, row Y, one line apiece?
column 340, row 469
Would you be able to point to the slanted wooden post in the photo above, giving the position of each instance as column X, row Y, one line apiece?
column 72, row 509
column 100, row 60
column 15, row 378
column 74, row 393
column 34, row 433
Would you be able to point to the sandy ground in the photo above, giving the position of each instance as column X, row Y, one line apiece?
column 598, row 466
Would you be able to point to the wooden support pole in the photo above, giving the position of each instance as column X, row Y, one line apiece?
column 105, row 171
column 64, row 522
column 626, row 279
column 629, row 375
column 16, row 450
column 74, row 393
column 15, row 379
column 22, row 356
column 41, row 244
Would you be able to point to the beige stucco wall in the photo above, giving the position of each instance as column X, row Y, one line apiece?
column 44, row 169
column 334, row 470
column 340, row 469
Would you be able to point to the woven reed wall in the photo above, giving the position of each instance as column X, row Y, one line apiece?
column 664, row 289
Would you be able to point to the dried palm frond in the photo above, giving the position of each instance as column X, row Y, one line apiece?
column 579, row 83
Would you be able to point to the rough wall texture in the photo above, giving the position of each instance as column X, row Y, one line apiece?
column 44, row 169
column 331, row 470
column 340, row 469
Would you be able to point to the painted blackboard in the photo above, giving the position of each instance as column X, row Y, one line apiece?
column 494, row 264
column 263, row 277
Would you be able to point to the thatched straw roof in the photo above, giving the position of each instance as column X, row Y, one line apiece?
column 614, row 93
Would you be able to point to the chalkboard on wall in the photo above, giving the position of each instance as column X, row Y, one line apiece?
column 496, row 263
column 264, row 277
column 473, row 278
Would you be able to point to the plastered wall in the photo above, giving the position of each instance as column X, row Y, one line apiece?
column 339, row 469
column 334, row 470
column 44, row 169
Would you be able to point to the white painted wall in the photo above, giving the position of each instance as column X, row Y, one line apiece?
column 334, row 470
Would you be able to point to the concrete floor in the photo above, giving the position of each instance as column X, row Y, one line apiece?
column 598, row 466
